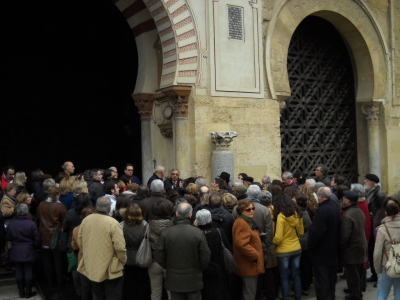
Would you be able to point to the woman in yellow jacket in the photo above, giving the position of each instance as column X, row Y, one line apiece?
column 289, row 228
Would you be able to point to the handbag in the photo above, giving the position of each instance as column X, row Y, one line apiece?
column 59, row 240
column 72, row 262
column 392, row 266
column 228, row 261
column 144, row 256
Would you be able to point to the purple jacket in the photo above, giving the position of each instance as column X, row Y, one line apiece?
column 24, row 238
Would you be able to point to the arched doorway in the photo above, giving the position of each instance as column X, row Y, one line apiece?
column 318, row 123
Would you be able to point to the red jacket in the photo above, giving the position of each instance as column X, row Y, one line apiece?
column 4, row 182
column 363, row 205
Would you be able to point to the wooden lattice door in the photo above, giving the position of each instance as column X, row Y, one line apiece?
column 318, row 122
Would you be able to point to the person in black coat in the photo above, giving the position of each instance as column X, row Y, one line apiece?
column 323, row 240
column 25, row 239
column 215, row 279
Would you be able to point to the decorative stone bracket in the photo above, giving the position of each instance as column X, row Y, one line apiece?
column 144, row 103
column 222, row 139
column 372, row 113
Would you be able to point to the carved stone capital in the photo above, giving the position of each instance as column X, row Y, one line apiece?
column 179, row 97
column 371, row 113
column 144, row 103
column 222, row 139
column 166, row 130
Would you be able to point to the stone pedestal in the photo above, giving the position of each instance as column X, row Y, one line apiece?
column 374, row 150
column 144, row 103
column 222, row 158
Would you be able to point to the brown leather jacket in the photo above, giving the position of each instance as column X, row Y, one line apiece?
column 50, row 216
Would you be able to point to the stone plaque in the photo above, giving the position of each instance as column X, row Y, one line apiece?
column 235, row 18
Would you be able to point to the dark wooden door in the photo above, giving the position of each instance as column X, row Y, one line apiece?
column 318, row 124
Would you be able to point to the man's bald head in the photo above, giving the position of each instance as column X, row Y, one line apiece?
column 324, row 193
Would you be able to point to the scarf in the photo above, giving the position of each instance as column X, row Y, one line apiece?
column 248, row 220
column 254, row 199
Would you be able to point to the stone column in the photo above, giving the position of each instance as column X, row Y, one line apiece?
column 222, row 157
column 179, row 96
column 374, row 150
column 144, row 103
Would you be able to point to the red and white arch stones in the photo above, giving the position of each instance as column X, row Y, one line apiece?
column 178, row 35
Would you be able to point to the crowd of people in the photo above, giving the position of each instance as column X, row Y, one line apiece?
column 283, row 234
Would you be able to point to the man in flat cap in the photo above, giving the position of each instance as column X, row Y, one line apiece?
column 375, row 198
column 352, row 243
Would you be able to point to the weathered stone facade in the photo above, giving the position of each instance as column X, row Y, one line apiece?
column 201, row 81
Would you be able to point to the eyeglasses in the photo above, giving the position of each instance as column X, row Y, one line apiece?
column 250, row 209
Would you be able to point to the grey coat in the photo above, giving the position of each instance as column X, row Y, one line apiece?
column 183, row 251
column 353, row 245
column 306, row 225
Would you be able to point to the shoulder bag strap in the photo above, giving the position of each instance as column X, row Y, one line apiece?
column 390, row 237
column 220, row 236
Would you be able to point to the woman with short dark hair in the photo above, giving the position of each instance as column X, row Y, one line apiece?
column 24, row 238
column 247, row 248
column 134, row 276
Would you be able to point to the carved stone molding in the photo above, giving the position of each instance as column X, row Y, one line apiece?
column 222, row 139
column 179, row 97
column 372, row 113
column 166, row 130
column 144, row 103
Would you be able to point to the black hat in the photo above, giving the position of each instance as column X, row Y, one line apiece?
column 225, row 176
column 372, row 177
column 249, row 179
column 352, row 196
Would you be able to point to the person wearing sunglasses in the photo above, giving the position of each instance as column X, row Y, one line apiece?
column 247, row 248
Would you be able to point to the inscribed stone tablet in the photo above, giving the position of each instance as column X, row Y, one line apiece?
column 235, row 18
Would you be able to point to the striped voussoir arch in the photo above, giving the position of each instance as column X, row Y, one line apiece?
column 177, row 31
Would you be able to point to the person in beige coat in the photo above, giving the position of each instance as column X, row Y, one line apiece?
column 387, row 232
column 102, row 243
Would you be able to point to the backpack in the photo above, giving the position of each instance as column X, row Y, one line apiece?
column 392, row 266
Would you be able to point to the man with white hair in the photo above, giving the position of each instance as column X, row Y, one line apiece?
column 68, row 168
column 310, row 183
column 262, row 218
column 156, row 195
column 159, row 173
column 183, row 251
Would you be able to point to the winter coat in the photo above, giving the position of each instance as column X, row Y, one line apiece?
column 147, row 204
column 7, row 206
column 222, row 219
column 74, row 242
column 375, row 198
column 24, row 238
column 247, row 249
column 152, row 178
column 325, row 180
column 133, row 235
column 72, row 219
column 102, row 243
column 156, row 227
column 353, row 245
column 214, row 277
column 306, row 225
column 67, row 200
column 50, row 216
column 183, row 251
column 382, row 242
column 363, row 205
column 262, row 217
column 2, row 233
column 323, row 235
column 287, row 233
column 95, row 190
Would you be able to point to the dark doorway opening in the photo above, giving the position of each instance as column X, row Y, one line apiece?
column 71, row 67
column 318, row 124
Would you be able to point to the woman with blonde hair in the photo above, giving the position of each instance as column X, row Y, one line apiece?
column 79, row 187
column 229, row 201
column 312, row 205
column 20, row 181
column 24, row 197
column 66, row 191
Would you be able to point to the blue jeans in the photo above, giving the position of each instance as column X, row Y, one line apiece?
column 385, row 283
column 290, row 265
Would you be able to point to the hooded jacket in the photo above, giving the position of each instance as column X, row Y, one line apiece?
column 287, row 234
column 156, row 227
column 221, row 218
